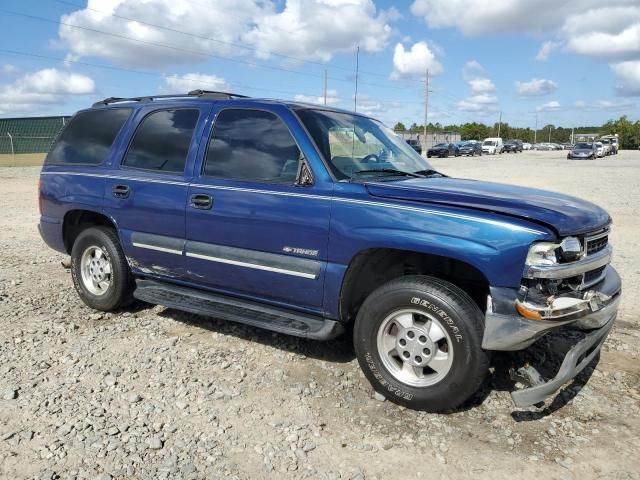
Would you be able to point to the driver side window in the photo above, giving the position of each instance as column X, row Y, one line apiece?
column 252, row 145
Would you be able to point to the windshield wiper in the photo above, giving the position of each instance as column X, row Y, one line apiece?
column 390, row 171
column 429, row 173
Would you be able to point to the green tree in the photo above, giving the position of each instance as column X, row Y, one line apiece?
column 399, row 127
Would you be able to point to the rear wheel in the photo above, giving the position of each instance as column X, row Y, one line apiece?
column 418, row 340
column 99, row 269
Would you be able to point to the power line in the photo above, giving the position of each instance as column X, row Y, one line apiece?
column 161, row 76
column 223, row 42
column 186, row 50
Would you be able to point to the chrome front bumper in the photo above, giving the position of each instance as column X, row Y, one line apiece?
column 506, row 330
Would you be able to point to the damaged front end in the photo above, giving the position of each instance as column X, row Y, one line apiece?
column 568, row 284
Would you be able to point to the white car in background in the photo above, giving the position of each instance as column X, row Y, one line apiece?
column 526, row 146
column 492, row 145
column 606, row 143
column 600, row 149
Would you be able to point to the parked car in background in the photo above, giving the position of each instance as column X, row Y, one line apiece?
column 492, row 145
column 545, row 146
column 614, row 143
column 583, row 151
column 599, row 149
column 415, row 144
column 513, row 146
column 443, row 150
column 567, row 146
column 606, row 143
column 471, row 149
column 526, row 146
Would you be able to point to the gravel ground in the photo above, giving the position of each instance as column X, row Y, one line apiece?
column 155, row 393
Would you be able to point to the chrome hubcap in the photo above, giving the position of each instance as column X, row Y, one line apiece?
column 415, row 347
column 95, row 267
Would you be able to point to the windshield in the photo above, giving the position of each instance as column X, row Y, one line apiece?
column 440, row 145
column 489, row 143
column 353, row 144
column 583, row 146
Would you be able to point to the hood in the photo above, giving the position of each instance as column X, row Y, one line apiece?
column 582, row 150
column 563, row 213
column 439, row 148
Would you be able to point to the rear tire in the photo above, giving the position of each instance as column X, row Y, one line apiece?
column 418, row 340
column 99, row 269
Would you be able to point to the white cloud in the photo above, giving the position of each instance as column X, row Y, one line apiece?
column 44, row 87
column 545, row 50
column 415, row 61
column 302, row 28
column 536, row 87
column 481, row 85
column 332, row 98
column 614, row 32
column 628, row 74
column 600, row 105
column 481, row 101
column 552, row 106
column 318, row 29
column 224, row 20
column 193, row 81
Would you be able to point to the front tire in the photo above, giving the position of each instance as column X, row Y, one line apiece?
column 418, row 340
column 99, row 268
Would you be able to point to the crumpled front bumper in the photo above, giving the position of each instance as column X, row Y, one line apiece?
column 506, row 330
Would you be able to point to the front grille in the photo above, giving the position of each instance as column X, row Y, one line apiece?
column 596, row 243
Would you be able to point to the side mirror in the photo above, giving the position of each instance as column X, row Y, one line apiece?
column 304, row 177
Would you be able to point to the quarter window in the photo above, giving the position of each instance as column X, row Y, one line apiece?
column 88, row 137
column 161, row 142
column 252, row 145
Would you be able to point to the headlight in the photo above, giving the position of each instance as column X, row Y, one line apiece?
column 549, row 253
column 543, row 253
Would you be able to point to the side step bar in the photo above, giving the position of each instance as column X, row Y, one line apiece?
column 237, row 310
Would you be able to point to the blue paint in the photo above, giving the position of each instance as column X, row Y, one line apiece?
column 489, row 226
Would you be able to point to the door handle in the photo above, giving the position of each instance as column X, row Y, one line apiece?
column 121, row 191
column 201, row 201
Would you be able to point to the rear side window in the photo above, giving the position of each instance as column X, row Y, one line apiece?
column 252, row 145
column 88, row 137
column 161, row 142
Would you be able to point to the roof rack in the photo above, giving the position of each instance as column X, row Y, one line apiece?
column 206, row 94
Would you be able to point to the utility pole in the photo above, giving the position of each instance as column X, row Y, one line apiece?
column 549, row 133
column 535, row 133
column 426, row 110
column 499, row 123
column 325, row 86
column 572, row 136
column 355, row 96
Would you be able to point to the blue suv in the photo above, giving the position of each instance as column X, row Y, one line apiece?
column 312, row 221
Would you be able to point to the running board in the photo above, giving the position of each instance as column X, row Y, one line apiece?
column 237, row 310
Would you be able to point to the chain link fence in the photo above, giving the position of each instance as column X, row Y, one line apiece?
column 28, row 138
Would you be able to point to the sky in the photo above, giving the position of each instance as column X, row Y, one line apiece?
column 564, row 62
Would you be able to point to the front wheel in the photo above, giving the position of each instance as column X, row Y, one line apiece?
column 99, row 269
column 418, row 340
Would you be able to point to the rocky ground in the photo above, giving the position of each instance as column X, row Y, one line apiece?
column 155, row 393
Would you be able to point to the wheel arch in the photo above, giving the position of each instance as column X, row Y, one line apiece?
column 77, row 220
column 371, row 268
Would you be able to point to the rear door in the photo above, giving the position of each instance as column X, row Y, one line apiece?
column 146, row 193
column 251, row 231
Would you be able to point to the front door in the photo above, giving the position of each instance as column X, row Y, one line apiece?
column 251, row 230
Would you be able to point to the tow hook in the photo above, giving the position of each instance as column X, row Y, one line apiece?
column 526, row 375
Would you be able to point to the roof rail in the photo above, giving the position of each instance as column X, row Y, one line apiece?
column 208, row 94
column 215, row 94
